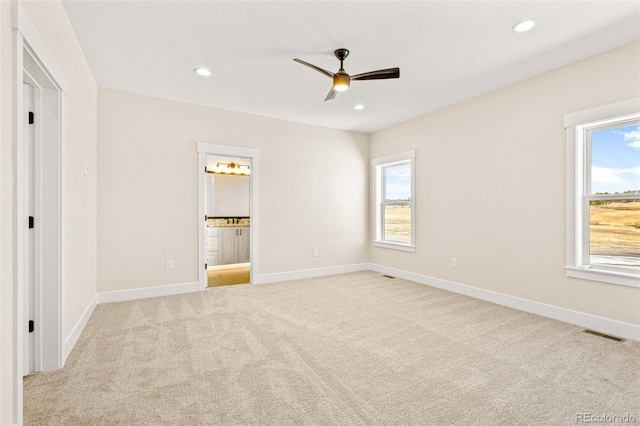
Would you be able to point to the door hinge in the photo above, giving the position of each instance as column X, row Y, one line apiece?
column 205, row 170
column 31, row 117
column 205, row 266
column 31, row 326
column 31, row 222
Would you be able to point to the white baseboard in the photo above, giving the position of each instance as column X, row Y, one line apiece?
column 310, row 273
column 604, row 325
column 73, row 337
column 143, row 293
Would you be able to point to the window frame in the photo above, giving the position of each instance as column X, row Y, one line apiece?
column 378, row 205
column 579, row 126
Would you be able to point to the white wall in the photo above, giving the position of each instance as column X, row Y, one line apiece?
column 230, row 196
column 312, row 183
column 490, row 186
column 80, row 243
column 80, row 201
column 6, row 221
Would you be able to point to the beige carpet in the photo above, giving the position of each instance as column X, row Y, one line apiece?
column 221, row 277
column 354, row 349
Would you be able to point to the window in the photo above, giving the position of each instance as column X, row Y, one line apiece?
column 603, row 219
column 394, row 211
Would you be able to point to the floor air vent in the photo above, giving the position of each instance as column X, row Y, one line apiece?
column 388, row 276
column 606, row 336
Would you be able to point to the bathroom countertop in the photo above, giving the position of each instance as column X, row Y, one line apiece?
column 224, row 222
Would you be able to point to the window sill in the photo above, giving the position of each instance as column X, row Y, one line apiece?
column 593, row 274
column 394, row 246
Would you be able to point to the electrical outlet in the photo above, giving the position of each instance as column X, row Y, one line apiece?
column 314, row 252
column 168, row 265
column 454, row 262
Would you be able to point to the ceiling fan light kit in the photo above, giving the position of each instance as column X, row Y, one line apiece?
column 342, row 80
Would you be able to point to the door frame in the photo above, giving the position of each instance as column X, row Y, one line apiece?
column 204, row 149
column 34, row 63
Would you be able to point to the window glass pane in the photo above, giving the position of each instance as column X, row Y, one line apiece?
column 397, row 203
column 614, row 233
column 615, row 160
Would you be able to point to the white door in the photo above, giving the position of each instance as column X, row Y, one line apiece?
column 29, row 276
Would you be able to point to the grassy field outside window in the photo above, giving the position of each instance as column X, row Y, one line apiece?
column 397, row 223
column 614, row 233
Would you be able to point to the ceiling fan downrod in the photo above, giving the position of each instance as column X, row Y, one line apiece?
column 341, row 54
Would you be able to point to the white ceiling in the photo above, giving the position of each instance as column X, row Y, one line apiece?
column 447, row 51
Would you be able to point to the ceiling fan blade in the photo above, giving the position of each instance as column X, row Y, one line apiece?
column 332, row 94
column 320, row 70
column 378, row 75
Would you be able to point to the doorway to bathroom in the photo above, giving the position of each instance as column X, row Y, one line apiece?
column 228, row 200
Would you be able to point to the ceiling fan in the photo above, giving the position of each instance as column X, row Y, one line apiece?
column 341, row 79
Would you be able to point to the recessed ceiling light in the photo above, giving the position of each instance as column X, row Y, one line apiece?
column 523, row 26
column 202, row 71
column 358, row 107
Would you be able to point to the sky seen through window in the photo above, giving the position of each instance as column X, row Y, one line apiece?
column 398, row 182
column 615, row 160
